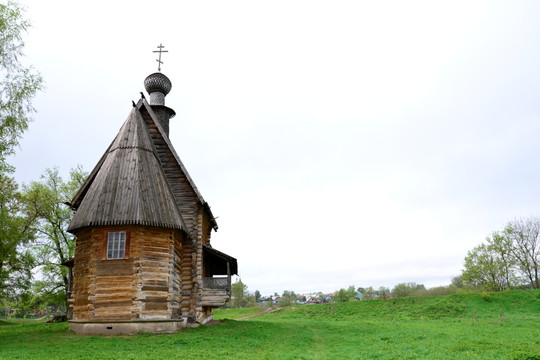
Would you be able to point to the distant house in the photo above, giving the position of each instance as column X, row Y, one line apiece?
column 143, row 259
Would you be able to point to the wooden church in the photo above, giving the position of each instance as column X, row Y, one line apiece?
column 143, row 259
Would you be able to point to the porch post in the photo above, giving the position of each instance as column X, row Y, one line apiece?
column 229, row 275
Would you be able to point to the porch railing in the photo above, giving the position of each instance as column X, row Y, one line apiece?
column 217, row 283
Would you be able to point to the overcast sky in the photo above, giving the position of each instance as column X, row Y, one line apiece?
column 340, row 143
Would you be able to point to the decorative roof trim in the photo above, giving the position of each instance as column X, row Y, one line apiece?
column 136, row 223
column 132, row 147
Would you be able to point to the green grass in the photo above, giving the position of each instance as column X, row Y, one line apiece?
column 4, row 322
column 471, row 326
column 221, row 314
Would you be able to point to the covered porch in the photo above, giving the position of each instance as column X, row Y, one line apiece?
column 218, row 269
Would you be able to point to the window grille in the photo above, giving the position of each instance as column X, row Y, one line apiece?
column 116, row 245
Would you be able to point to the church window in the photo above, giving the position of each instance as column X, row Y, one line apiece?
column 116, row 245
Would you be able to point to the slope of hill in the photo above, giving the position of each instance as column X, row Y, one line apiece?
column 516, row 304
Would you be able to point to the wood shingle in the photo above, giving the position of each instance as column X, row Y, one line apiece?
column 128, row 186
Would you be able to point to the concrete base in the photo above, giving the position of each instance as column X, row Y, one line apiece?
column 128, row 327
column 209, row 318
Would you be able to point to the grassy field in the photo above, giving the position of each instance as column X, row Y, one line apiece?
column 471, row 326
column 236, row 313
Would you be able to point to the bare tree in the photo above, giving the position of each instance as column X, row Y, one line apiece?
column 524, row 237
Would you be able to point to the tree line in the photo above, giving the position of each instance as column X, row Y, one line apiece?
column 241, row 297
column 33, row 218
column 508, row 258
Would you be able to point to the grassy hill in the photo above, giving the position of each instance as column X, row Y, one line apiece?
column 513, row 304
column 469, row 326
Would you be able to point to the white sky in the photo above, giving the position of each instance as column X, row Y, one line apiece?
column 340, row 143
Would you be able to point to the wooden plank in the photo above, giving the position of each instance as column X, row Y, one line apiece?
column 114, row 268
column 118, row 304
column 156, row 306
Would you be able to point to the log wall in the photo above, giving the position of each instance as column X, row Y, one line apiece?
column 198, row 261
column 176, row 286
column 154, row 275
column 205, row 227
column 83, row 275
column 147, row 284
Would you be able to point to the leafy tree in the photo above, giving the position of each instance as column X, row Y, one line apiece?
column 441, row 290
column 351, row 292
column 368, row 293
column 269, row 302
column 257, row 296
column 287, row 299
column 15, row 263
column 523, row 237
column 508, row 258
column 484, row 269
column 344, row 295
column 491, row 266
column 45, row 203
column 241, row 297
column 341, row 296
column 401, row 290
column 420, row 290
column 457, row 281
column 501, row 247
column 18, row 83
column 383, row 292
column 408, row 289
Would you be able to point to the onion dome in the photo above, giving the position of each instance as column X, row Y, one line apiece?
column 158, row 86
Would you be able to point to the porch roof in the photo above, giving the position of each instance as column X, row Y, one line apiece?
column 218, row 261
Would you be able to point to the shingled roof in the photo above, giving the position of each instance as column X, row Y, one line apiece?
column 140, row 180
column 128, row 186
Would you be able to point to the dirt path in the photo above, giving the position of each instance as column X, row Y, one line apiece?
column 266, row 311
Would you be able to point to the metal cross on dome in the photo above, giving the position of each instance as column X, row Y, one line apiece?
column 160, row 47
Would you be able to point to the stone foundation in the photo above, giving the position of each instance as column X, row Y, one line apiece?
column 128, row 327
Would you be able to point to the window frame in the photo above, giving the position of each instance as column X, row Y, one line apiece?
column 110, row 232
